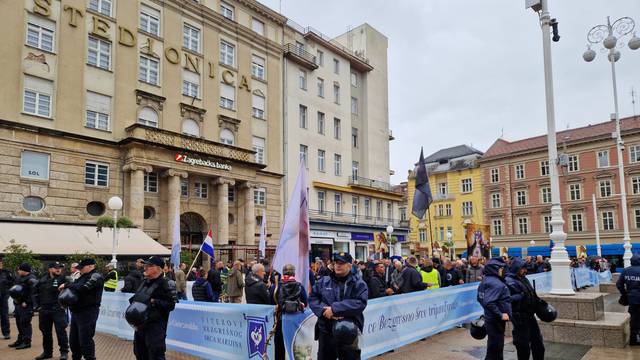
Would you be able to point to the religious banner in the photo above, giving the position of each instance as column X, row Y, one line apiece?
column 504, row 251
column 581, row 252
column 478, row 240
column 381, row 244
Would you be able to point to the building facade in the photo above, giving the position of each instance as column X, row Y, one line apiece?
column 175, row 106
column 336, row 121
column 456, row 186
column 517, row 194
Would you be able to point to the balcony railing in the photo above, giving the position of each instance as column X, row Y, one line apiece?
column 300, row 56
column 345, row 218
column 443, row 197
column 370, row 183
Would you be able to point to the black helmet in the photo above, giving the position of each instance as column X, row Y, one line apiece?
column 16, row 291
column 345, row 332
column 477, row 329
column 137, row 314
column 546, row 312
column 67, row 298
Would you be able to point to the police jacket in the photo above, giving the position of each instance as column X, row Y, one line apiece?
column 493, row 294
column 213, row 277
column 523, row 296
column 347, row 297
column 376, row 286
column 89, row 289
column 162, row 291
column 28, row 295
column 256, row 291
column 629, row 282
column 47, row 292
column 411, row 280
column 6, row 281
column 132, row 281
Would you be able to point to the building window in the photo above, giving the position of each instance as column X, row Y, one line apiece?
column 637, row 217
column 496, row 227
column 603, row 158
column 303, row 116
column 320, row 87
column 495, row 200
column 184, row 187
column 34, row 165
column 440, row 210
column 576, row 222
column 607, row 220
column 519, row 171
column 151, row 182
column 37, row 96
column 574, row 165
column 226, row 11
column 149, row 20
column 190, row 84
column 354, row 106
column 336, row 93
column 544, row 168
column 319, row 58
column 98, row 108
column 336, row 66
column 320, row 123
column 101, row 6
column 200, row 190
column 403, row 214
column 467, row 185
column 304, row 149
column 354, row 206
column 227, row 137
column 575, row 192
column 467, row 208
column 96, row 174
column 521, row 197
column 227, row 96
column 257, row 26
column 190, row 127
column 258, row 147
column 355, row 169
column 635, row 185
column 95, row 208
column 40, row 33
column 227, row 53
column 422, row 235
column 260, row 196
column 99, row 53
column 32, row 204
column 367, row 208
column 257, row 106
column 634, row 153
column 523, row 225
column 321, row 157
column 389, row 211
column 337, row 164
column 546, row 224
column 495, row 175
column 354, row 137
column 442, row 189
column 337, row 199
column 354, row 79
column 148, row 71
column 148, row 116
column 441, row 233
column 336, row 128
column 545, row 193
column 447, row 209
column 321, row 199
column 257, row 67
column 191, row 37
column 231, row 194
column 302, row 80
column 605, row 188
column 379, row 209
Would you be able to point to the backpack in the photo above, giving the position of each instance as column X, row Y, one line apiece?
column 289, row 299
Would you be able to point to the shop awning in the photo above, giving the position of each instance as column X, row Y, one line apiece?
column 67, row 239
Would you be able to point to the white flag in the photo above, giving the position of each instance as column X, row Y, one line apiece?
column 262, row 245
column 175, row 239
column 293, row 247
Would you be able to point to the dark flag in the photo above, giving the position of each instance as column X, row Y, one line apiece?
column 422, row 197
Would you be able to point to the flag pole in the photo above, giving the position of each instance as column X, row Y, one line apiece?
column 430, row 232
column 195, row 258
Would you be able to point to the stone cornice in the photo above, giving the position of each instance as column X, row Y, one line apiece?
column 223, row 181
column 135, row 166
column 174, row 172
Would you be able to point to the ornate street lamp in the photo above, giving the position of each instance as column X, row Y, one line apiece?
column 115, row 204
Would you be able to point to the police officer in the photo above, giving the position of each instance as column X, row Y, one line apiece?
column 493, row 296
column 84, row 313
column 111, row 278
column 24, row 303
column 159, row 293
column 339, row 296
column 51, row 313
column 526, row 333
column 6, row 282
column 629, row 286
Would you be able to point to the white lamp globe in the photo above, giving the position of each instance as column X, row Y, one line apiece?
column 615, row 56
column 634, row 43
column 115, row 203
column 589, row 55
column 390, row 229
column 610, row 42
column 532, row 242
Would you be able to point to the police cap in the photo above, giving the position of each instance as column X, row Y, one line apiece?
column 85, row 262
column 343, row 256
column 154, row 260
column 55, row 265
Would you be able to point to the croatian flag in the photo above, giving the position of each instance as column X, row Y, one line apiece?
column 207, row 244
column 262, row 245
column 293, row 247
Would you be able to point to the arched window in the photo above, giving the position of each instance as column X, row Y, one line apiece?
column 227, row 137
column 148, row 116
column 190, row 127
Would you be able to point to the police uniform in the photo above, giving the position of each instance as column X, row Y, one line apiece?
column 6, row 282
column 347, row 296
column 526, row 333
column 51, row 314
column 111, row 281
column 629, row 286
column 493, row 295
column 160, row 294
column 84, row 313
column 24, row 304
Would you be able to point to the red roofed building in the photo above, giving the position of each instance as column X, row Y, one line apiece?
column 517, row 192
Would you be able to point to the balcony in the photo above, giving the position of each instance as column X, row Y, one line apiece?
column 300, row 56
column 443, row 197
column 370, row 183
column 344, row 218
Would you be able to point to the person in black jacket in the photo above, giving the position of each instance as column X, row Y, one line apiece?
column 24, row 304
column 629, row 286
column 450, row 275
column 201, row 288
column 213, row 277
column 51, row 314
column 159, row 293
column 84, row 314
column 376, row 284
column 411, row 278
column 255, row 289
column 493, row 296
column 6, row 282
column 526, row 334
column 134, row 278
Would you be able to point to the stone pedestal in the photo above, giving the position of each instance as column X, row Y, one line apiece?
column 581, row 306
column 615, row 277
column 609, row 288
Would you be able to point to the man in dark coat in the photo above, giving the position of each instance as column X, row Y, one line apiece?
column 450, row 275
column 52, row 315
column 24, row 304
column 343, row 296
column 493, row 296
column 377, row 285
column 411, row 278
column 255, row 289
column 6, row 282
column 214, row 278
column 629, row 286
column 526, row 334
column 134, row 278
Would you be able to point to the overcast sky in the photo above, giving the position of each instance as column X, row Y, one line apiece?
column 461, row 71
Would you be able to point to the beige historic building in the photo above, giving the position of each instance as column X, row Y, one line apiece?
column 173, row 105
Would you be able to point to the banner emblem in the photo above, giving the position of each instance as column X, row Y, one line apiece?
column 256, row 336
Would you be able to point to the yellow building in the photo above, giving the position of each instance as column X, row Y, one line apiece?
column 455, row 181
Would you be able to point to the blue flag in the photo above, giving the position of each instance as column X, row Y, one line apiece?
column 422, row 197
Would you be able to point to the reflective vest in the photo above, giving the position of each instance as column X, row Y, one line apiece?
column 431, row 278
column 111, row 283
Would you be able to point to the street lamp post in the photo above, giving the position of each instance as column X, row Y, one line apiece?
column 389, row 232
column 452, row 251
column 115, row 204
column 561, row 274
column 597, row 225
column 609, row 35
